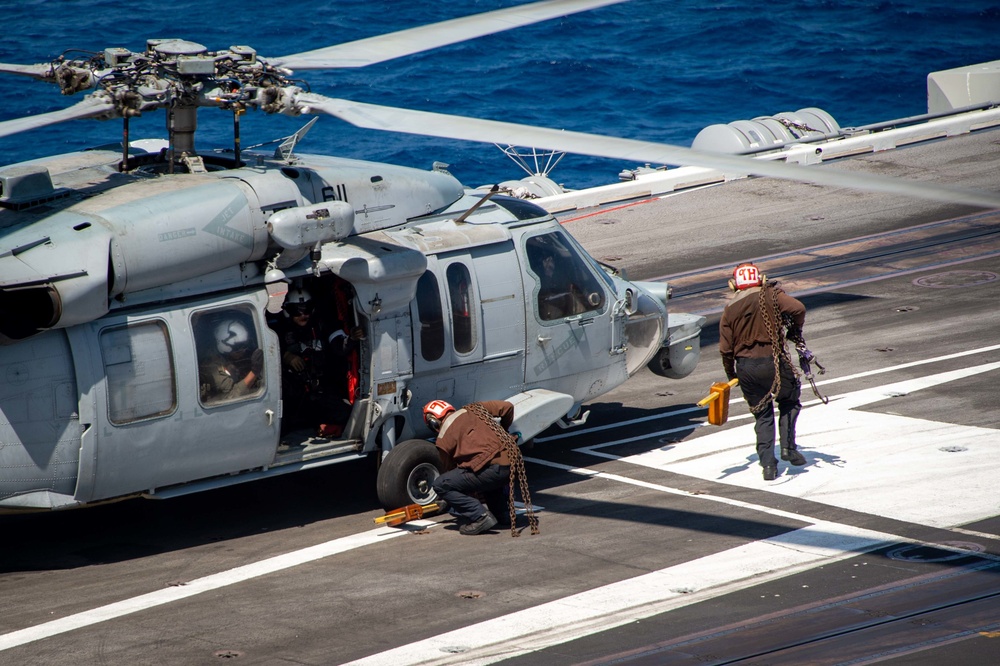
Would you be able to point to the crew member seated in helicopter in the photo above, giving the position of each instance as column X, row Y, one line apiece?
column 565, row 286
column 558, row 295
column 314, row 351
column 232, row 365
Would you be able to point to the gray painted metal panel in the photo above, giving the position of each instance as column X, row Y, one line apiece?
column 39, row 422
column 193, row 441
column 963, row 86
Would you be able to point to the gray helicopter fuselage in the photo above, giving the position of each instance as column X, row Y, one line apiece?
column 110, row 284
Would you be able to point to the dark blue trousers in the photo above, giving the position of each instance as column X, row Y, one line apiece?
column 456, row 487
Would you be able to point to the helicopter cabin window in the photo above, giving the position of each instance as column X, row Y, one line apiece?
column 431, row 317
column 565, row 285
column 139, row 370
column 462, row 323
column 230, row 358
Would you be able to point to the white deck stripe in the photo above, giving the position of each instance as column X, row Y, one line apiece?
column 737, row 398
column 206, row 584
column 630, row 600
column 575, row 616
column 877, row 463
column 845, row 401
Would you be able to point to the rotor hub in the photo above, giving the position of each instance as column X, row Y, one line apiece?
column 176, row 47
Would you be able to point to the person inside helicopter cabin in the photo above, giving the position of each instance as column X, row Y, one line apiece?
column 346, row 342
column 560, row 294
column 752, row 344
column 231, row 364
column 555, row 290
column 314, row 353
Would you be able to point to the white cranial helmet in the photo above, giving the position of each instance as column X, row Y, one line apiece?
column 297, row 296
column 229, row 335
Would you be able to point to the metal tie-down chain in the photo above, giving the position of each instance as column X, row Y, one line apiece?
column 772, row 322
column 516, row 469
column 772, row 318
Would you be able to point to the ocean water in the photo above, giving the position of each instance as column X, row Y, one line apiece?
column 656, row 70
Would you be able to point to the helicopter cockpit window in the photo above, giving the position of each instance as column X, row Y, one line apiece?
column 139, row 370
column 462, row 322
column 431, row 317
column 566, row 286
column 230, row 358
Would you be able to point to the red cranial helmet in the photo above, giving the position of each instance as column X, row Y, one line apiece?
column 746, row 276
column 434, row 413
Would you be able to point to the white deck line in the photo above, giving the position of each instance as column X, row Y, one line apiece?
column 206, row 584
column 602, row 608
column 644, row 596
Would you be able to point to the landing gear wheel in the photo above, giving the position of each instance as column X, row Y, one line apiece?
column 406, row 474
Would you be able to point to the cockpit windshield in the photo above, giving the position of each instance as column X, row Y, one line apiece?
column 566, row 286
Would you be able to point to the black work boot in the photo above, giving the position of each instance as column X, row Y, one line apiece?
column 481, row 524
column 793, row 456
column 770, row 473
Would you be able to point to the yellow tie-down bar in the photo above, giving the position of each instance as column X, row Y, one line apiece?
column 718, row 401
column 407, row 513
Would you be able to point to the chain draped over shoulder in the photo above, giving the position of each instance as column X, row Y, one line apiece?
column 517, row 471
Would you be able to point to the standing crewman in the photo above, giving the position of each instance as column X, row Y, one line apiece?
column 476, row 454
column 752, row 344
column 303, row 339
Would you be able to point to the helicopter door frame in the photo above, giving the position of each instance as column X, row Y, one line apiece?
column 140, row 440
column 456, row 275
column 494, row 366
column 569, row 346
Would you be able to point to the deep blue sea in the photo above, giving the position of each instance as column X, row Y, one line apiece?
column 656, row 70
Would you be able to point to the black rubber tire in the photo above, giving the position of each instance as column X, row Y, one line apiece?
column 406, row 474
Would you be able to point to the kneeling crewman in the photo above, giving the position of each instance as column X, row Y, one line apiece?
column 475, row 459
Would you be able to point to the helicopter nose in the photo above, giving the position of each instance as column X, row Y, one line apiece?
column 669, row 346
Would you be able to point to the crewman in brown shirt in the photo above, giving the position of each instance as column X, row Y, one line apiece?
column 474, row 459
column 750, row 330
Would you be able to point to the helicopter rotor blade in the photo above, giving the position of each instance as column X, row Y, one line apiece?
column 416, row 40
column 446, row 126
column 92, row 106
column 40, row 72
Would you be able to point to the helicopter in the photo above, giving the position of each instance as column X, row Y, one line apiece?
column 128, row 271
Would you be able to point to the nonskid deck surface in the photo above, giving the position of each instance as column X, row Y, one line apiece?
column 659, row 537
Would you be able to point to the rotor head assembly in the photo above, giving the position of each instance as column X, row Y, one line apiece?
column 169, row 72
